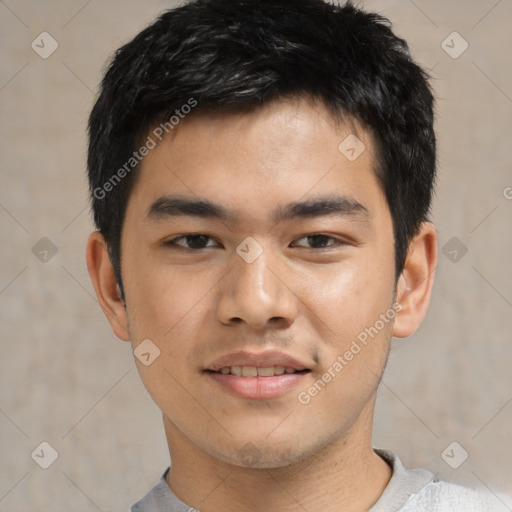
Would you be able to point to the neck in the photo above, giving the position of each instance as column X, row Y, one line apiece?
column 346, row 475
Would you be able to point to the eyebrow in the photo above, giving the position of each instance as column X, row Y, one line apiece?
column 332, row 205
column 329, row 205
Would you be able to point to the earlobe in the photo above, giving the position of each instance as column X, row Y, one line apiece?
column 105, row 285
column 414, row 287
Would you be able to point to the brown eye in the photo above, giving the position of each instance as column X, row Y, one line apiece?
column 192, row 242
column 318, row 241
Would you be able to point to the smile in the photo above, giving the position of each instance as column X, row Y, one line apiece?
column 257, row 383
column 254, row 371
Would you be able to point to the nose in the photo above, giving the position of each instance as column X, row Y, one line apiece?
column 257, row 294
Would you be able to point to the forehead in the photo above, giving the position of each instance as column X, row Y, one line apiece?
column 254, row 160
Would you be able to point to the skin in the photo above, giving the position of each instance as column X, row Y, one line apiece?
column 297, row 297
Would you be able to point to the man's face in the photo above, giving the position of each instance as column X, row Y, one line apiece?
column 291, row 264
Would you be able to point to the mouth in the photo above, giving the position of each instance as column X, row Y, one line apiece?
column 262, row 376
column 256, row 371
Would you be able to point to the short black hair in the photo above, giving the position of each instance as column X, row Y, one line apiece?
column 233, row 55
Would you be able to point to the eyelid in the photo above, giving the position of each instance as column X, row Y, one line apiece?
column 338, row 241
column 172, row 241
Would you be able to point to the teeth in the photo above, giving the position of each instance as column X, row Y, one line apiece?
column 253, row 371
column 236, row 370
column 266, row 372
column 278, row 370
column 249, row 371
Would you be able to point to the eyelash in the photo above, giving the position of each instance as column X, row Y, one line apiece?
column 173, row 242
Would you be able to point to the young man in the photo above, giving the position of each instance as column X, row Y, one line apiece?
column 261, row 174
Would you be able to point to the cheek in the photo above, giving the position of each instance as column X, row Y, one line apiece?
column 353, row 343
column 347, row 299
column 162, row 300
column 168, row 307
column 347, row 307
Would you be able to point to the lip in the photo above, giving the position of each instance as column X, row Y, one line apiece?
column 260, row 360
column 257, row 388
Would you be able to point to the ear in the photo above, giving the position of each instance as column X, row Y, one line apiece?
column 105, row 285
column 414, row 286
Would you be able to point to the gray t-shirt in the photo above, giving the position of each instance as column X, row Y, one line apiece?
column 409, row 490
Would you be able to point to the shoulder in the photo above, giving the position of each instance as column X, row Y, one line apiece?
column 442, row 496
column 161, row 498
column 417, row 490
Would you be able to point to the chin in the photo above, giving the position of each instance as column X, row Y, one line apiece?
column 264, row 455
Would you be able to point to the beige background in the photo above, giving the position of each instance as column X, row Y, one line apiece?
column 67, row 380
